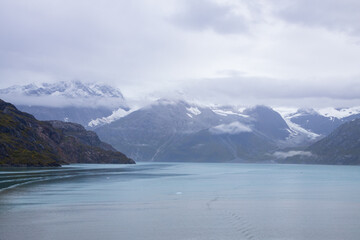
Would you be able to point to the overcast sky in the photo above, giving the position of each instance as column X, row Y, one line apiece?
column 274, row 52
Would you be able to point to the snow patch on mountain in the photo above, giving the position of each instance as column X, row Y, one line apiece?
column 297, row 133
column 329, row 112
column 339, row 112
column 189, row 115
column 232, row 128
column 225, row 113
column 298, row 130
column 193, row 110
column 117, row 114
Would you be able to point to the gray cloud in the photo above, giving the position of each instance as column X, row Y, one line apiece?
column 333, row 14
column 61, row 101
column 231, row 128
column 88, row 40
column 271, row 91
column 206, row 14
column 283, row 155
column 161, row 48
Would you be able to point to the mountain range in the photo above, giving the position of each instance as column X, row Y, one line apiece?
column 177, row 130
column 70, row 89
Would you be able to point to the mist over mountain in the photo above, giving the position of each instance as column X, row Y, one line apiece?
column 180, row 131
column 72, row 101
column 76, row 114
column 233, row 53
column 64, row 93
column 71, row 89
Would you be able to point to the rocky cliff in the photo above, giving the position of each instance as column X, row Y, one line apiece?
column 25, row 141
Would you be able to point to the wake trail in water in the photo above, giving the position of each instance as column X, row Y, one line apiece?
column 238, row 221
column 11, row 184
column 13, row 180
column 241, row 225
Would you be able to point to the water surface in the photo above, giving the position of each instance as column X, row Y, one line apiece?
column 181, row 201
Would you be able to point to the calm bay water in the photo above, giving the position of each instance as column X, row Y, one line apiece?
column 181, row 201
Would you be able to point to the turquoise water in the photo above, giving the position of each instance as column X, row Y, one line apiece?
column 181, row 201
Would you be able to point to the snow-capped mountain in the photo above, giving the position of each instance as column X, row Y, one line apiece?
column 339, row 113
column 180, row 131
column 340, row 147
column 168, row 130
column 71, row 89
column 72, row 101
column 320, row 122
column 115, row 115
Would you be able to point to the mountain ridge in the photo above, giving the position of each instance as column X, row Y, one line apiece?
column 341, row 147
column 72, row 101
column 25, row 141
column 157, row 132
column 70, row 89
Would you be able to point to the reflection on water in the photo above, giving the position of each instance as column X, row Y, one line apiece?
column 180, row 201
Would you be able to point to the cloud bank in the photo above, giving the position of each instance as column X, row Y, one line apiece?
column 283, row 155
column 232, row 128
column 296, row 52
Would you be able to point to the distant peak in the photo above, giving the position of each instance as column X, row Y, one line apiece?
column 258, row 108
column 64, row 93
column 71, row 89
column 339, row 112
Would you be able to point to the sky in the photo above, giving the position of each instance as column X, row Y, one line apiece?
column 303, row 53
